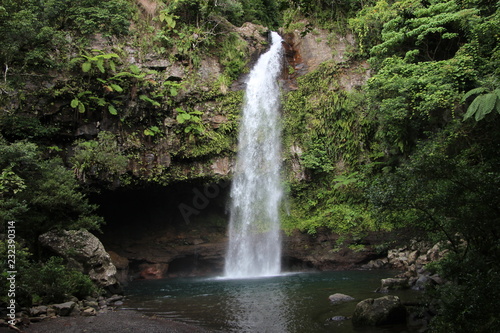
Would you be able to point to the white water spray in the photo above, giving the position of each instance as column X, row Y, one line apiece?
column 254, row 228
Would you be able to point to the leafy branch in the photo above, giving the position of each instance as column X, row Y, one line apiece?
column 486, row 101
column 111, row 82
column 98, row 60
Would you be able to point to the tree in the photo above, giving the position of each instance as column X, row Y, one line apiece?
column 32, row 32
column 40, row 195
column 449, row 189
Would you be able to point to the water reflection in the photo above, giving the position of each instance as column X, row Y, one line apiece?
column 295, row 303
column 251, row 309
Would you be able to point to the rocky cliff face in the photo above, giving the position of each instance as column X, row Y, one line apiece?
column 180, row 229
column 165, row 145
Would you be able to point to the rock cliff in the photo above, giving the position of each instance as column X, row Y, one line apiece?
column 180, row 229
column 162, row 146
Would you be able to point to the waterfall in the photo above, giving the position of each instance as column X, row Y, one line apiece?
column 254, row 227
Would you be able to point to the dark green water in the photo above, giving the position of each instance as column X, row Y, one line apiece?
column 288, row 303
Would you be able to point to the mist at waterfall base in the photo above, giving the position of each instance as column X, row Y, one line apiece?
column 293, row 303
column 254, row 247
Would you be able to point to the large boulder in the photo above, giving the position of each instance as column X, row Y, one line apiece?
column 379, row 311
column 84, row 252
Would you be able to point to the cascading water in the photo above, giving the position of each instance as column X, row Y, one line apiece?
column 254, row 227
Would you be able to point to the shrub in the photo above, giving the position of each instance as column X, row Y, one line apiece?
column 39, row 194
column 48, row 282
column 101, row 158
column 53, row 282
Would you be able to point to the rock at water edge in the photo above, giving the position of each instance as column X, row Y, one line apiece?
column 380, row 311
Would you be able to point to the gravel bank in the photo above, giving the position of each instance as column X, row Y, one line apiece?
column 119, row 321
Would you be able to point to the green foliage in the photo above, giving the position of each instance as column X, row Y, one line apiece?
column 191, row 120
column 483, row 104
column 47, row 283
column 264, row 12
column 39, row 194
column 27, row 40
column 414, row 98
column 33, row 33
column 428, row 55
column 18, row 127
column 52, row 282
column 469, row 303
column 332, row 130
column 10, row 182
column 233, row 55
column 152, row 131
column 191, row 28
column 145, row 98
column 100, row 158
column 195, row 35
column 219, row 141
column 426, row 33
column 106, row 85
column 98, row 61
column 316, row 158
column 345, row 180
column 422, row 31
column 93, row 16
column 323, row 13
column 320, row 205
column 327, row 123
column 450, row 188
column 440, row 176
column 173, row 87
column 368, row 24
column 22, row 263
column 438, row 188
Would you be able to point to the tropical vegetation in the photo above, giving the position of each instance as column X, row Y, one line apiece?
column 416, row 147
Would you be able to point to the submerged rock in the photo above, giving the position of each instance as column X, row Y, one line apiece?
column 340, row 298
column 380, row 311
